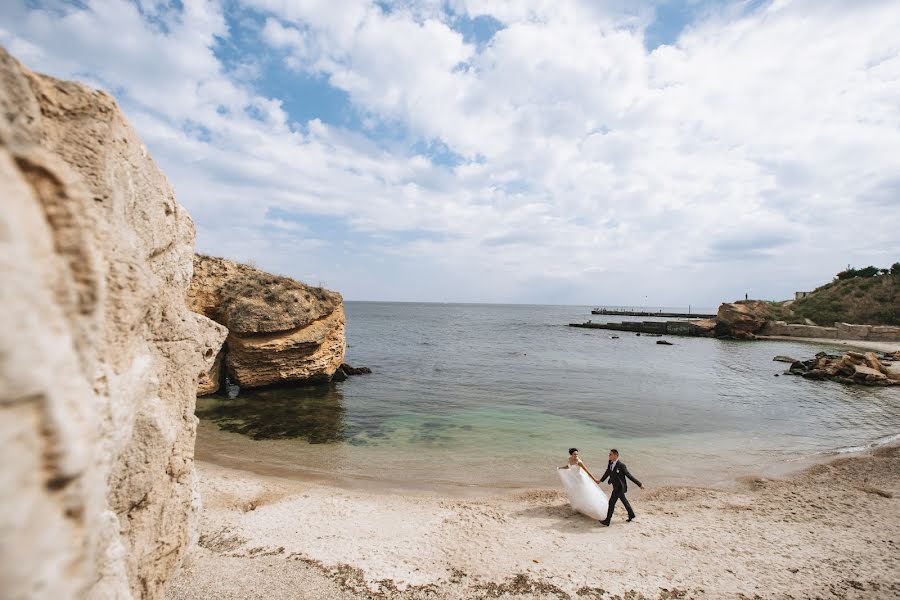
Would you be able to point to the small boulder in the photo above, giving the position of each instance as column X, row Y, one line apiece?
column 345, row 371
column 785, row 359
column 869, row 375
column 664, row 343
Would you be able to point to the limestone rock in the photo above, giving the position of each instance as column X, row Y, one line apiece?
column 852, row 367
column 741, row 320
column 99, row 355
column 211, row 380
column 893, row 372
column 869, row 375
column 345, row 371
column 279, row 330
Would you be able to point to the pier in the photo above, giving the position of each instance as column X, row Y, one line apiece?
column 686, row 328
column 644, row 313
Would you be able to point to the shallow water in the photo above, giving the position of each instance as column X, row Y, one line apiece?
column 493, row 395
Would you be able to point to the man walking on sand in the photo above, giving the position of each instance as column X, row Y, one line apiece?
column 618, row 476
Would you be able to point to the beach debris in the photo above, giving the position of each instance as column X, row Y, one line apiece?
column 664, row 343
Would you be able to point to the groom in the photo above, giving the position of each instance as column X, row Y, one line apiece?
column 617, row 473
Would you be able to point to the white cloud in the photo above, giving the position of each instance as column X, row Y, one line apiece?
column 761, row 147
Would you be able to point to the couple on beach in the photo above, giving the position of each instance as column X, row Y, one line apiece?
column 584, row 492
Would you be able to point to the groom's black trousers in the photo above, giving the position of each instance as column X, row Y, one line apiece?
column 617, row 495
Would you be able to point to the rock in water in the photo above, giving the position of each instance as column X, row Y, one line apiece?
column 786, row 359
column 99, row 355
column 664, row 343
column 279, row 330
column 852, row 367
column 345, row 371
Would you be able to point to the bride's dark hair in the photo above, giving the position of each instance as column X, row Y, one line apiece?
column 572, row 451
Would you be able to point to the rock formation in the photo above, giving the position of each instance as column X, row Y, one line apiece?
column 279, row 330
column 851, row 367
column 741, row 320
column 345, row 371
column 99, row 355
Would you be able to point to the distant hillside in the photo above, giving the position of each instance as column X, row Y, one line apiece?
column 868, row 296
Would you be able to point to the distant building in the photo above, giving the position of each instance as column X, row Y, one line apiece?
column 800, row 295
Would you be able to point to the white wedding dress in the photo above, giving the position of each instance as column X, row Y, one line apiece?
column 585, row 496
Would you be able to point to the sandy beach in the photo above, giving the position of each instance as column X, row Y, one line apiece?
column 886, row 347
column 832, row 531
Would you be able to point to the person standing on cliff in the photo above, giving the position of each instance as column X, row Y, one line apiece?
column 618, row 476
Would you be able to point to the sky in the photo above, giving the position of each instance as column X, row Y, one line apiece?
column 601, row 152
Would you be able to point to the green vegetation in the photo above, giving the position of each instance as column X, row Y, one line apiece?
column 253, row 301
column 869, row 296
column 869, row 271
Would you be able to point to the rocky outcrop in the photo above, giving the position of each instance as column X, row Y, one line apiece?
column 279, row 330
column 99, row 355
column 850, row 368
column 741, row 320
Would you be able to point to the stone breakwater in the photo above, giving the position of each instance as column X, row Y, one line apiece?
column 280, row 330
column 840, row 331
column 99, row 354
column 750, row 319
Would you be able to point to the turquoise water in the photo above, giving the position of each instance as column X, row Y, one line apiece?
column 494, row 395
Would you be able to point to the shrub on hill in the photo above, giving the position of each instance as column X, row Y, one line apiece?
column 870, row 295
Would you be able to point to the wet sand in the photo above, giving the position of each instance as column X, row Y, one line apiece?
column 832, row 531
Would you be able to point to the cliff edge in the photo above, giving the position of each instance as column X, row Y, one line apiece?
column 99, row 354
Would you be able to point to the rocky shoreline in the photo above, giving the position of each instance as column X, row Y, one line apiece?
column 850, row 368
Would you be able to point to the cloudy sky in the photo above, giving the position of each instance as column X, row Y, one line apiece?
column 667, row 152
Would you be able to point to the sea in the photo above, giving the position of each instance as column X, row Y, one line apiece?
column 490, row 396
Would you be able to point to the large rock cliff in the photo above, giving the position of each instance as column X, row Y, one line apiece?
column 99, row 355
column 279, row 330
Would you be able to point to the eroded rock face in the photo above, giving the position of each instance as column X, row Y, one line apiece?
column 741, row 320
column 279, row 330
column 99, row 355
column 210, row 381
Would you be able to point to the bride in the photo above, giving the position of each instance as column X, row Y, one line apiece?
column 585, row 495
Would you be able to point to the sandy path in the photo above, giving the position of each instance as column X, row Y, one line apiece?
column 833, row 531
column 887, row 347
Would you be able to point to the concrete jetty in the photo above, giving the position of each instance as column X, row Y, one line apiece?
column 644, row 313
column 688, row 328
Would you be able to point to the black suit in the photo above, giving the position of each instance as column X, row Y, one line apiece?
column 618, row 478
